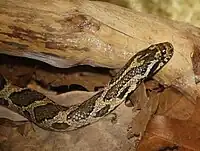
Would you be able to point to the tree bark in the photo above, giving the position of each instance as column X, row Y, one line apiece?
column 66, row 33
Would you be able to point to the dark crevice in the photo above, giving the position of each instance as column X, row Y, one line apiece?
column 61, row 88
column 169, row 148
column 97, row 88
column 24, row 78
column 32, row 63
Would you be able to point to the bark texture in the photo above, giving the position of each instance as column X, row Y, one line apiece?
column 67, row 33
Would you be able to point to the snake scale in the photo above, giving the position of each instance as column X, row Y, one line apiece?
column 49, row 115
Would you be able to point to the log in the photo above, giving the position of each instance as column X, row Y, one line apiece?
column 66, row 33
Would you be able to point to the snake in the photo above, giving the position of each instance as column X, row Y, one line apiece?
column 49, row 115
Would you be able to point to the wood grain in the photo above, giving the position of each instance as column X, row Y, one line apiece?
column 67, row 33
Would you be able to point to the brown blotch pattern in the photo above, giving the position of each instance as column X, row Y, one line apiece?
column 2, row 82
column 14, row 44
column 60, row 126
column 63, row 46
column 84, row 109
column 79, row 23
column 25, row 97
column 25, row 34
column 113, row 92
column 121, row 95
column 47, row 111
column 103, row 111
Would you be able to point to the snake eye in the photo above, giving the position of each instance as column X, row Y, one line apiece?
column 163, row 50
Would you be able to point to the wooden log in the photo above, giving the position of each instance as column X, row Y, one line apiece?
column 66, row 33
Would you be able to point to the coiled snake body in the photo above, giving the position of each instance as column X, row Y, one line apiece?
column 48, row 115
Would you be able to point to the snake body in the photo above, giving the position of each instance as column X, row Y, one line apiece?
column 49, row 115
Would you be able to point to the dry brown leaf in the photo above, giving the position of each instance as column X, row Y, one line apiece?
column 142, row 112
column 167, row 132
column 195, row 116
column 172, row 103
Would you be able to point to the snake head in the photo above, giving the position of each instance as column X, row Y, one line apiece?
column 150, row 60
column 163, row 51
